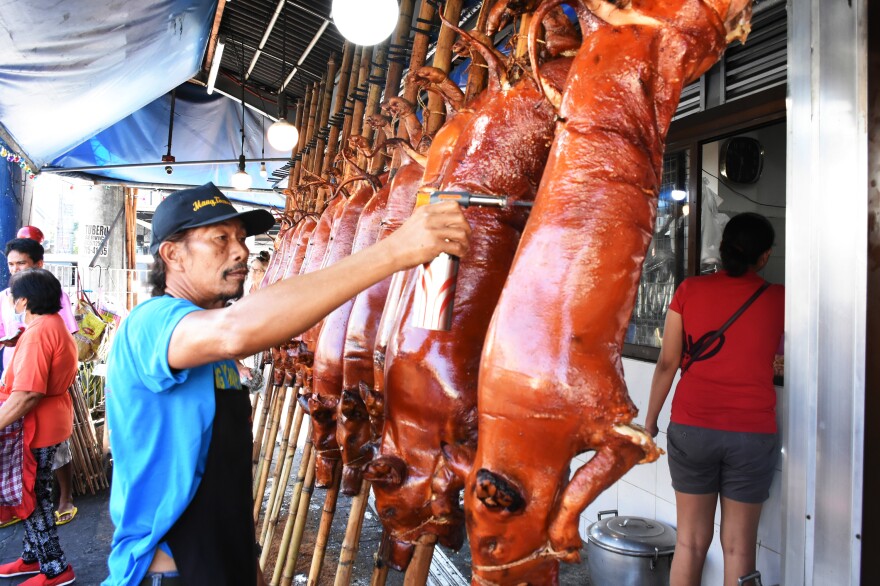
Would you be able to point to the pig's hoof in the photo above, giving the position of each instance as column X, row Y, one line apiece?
column 498, row 493
column 564, row 538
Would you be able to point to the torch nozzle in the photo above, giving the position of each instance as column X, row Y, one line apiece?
column 466, row 199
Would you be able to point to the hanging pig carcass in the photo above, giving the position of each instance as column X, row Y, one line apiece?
column 495, row 145
column 551, row 377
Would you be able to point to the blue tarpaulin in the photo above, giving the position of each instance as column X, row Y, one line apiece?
column 71, row 68
column 205, row 128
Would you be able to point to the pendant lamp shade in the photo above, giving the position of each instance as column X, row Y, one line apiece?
column 365, row 22
column 241, row 181
column 282, row 135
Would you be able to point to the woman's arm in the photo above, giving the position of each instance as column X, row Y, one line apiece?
column 667, row 366
column 19, row 404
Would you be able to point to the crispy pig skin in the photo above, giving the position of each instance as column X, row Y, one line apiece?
column 327, row 367
column 497, row 145
column 551, row 378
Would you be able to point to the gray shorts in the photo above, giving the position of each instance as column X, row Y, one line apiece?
column 62, row 455
column 738, row 465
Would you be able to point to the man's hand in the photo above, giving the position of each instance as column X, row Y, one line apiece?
column 432, row 229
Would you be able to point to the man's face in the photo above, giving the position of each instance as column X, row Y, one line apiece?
column 19, row 261
column 211, row 264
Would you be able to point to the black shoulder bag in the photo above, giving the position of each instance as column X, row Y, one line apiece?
column 700, row 350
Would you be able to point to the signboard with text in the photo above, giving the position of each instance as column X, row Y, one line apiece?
column 95, row 234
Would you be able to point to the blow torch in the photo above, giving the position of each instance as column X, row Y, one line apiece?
column 435, row 281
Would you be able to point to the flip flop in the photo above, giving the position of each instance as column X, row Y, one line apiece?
column 10, row 522
column 65, row 517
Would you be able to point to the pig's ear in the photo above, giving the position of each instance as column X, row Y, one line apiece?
column 387, row 470
column 400, row 554
column 459, row 457
column 352, row 406
column 303, row 401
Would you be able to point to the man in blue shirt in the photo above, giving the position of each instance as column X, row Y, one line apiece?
column 181, row 499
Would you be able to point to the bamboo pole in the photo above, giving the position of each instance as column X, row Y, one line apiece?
column 323, row 537
column 374, row 97
column 420, row 566
column 478, row 73
column 351, row 541
column 443, row 61
column 313, row 154
column 286, row 451
column 401, row 34
column 80, row 461
column 324, row 116
column 260, row 425
column 318, row 96
column 78, row 453
column 130, row 246
column 268, row 450
column 296, row 172
column 522, row 36
column 268, row 374
column 298, row 118
column 342, row 91
column 348, row 110
column 309, row 123
column 380, row 569
column 427, row 13
column 300, row 524
column 87, row 456
column 357, row 116
column 305, row 463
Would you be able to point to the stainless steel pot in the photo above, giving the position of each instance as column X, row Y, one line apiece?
column 629, row 551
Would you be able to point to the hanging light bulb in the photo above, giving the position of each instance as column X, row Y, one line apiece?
column 283, row 135
column 241, row 181
column 365, row 22
column 263, row 172
column 679, row 194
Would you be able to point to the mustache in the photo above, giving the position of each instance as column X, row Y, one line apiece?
column 239, row 267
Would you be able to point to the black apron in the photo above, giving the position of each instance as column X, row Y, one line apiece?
column 213, row 541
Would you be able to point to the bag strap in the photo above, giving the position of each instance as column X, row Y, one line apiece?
column 81, row 293
column 704, row 343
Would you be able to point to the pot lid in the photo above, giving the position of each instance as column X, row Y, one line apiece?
column 635, row 536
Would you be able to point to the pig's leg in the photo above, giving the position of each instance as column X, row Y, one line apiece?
column 617, row 455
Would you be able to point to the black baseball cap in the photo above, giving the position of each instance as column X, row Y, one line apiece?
column 202, row 206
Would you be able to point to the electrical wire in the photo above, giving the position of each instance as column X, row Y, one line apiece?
column 741, row 194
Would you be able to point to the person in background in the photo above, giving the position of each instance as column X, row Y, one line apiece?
column 35, row 399
column 258, row 270
column 181, row 498
column 722, row 436
column 25, row 253
column 247, row 367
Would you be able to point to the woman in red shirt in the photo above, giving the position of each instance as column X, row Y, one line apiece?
column 722, row 436
column 35, row 403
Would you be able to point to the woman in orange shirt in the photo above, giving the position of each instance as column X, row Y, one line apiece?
column 36, row 405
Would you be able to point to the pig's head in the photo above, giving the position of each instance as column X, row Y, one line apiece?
column 353, row 435
column 323, row 413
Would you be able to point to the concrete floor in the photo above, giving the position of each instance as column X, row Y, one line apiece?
column 86, row 543
column 85, row 540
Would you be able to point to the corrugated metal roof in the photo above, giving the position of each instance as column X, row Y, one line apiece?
column 243, row 27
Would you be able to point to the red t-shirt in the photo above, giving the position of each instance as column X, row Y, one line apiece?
column 45, row 361
column 732, row 390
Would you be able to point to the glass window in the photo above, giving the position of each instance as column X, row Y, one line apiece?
column 667, row 254
column 741, row 173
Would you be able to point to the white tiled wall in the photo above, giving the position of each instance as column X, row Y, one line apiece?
column 646, row 491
